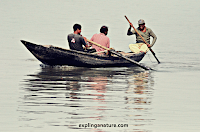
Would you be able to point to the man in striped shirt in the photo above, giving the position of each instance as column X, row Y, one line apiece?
column 101, row 39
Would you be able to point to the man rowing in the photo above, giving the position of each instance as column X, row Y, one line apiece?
column 144, row 31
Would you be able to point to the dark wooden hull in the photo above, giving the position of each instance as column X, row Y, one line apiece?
column 58, row 56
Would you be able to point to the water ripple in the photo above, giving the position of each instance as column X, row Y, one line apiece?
column 68, row 97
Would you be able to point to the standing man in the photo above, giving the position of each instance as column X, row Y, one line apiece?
column 144, row 32
column 75, row 40
column 101, row 39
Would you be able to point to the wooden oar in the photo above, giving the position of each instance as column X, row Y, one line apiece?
column 120, row 55
column 143, row 40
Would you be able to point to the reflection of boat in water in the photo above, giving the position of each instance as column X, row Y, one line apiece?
column 57, row 56
column 67, row 73
column 72, row 79
column 76, row 95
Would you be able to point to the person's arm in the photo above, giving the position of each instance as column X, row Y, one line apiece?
column 68, row 38
column 108, row 44
column 92, row 39
column 83, row 41
column 129, row 31
column 87, row 45
column 154, row 38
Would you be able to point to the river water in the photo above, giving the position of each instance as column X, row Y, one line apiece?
column 35, row 98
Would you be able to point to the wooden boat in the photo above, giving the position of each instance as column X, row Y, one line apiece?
column 51, row 55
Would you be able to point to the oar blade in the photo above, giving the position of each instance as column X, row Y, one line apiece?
column 130, row 60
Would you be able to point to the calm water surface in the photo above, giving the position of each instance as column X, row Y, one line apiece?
column 38, row 98
column 71, row 96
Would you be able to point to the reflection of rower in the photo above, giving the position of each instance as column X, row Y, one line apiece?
column 139, row 99
column 142, row 86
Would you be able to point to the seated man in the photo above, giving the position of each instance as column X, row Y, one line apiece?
column 75, row 40
column 101, row 39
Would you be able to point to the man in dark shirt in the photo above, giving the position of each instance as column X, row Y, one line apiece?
column 75, row 40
